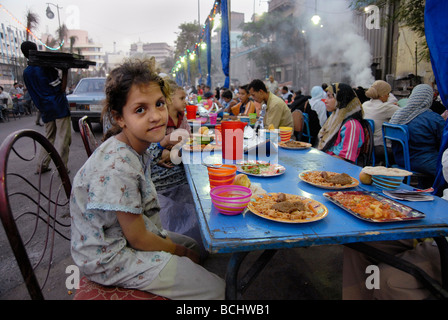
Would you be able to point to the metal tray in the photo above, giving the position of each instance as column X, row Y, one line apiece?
column 411, row 214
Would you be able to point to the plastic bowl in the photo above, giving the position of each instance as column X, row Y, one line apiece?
column 387, row 182
column 230, row 200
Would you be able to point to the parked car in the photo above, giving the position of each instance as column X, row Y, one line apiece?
column 87, row 100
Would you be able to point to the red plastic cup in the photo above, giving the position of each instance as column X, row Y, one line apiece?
column 232, row 139
column 218, row 135
column 191, row 112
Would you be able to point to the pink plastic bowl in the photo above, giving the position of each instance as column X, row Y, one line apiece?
column 230, row 200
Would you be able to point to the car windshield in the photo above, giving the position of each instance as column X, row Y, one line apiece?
column 90, row 85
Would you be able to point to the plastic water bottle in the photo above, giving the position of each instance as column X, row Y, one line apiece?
column 260, row 124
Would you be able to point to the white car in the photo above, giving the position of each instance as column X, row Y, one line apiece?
column 87, row 100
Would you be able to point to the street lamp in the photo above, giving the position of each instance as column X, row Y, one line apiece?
column 315, row 18
column 50, row 14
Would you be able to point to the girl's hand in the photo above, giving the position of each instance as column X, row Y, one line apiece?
column 165, row 160
column 175, row 137
column 185, row 252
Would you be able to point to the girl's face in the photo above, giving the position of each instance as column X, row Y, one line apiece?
column 179, row 100
column 144, row 117
column 243, row 95
column 330, row 102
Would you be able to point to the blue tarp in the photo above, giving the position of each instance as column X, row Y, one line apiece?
column 225, row 42
column 436, row 26
column 208, row 30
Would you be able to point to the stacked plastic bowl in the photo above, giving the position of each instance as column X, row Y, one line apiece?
column 224, row 175
column 230, row 200
column 387, row 182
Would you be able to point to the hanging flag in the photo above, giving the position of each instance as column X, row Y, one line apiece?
column 436, row 12
column 225, row 42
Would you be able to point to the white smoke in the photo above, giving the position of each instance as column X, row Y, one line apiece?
column 337, row 42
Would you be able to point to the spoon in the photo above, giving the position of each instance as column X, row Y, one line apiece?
column 212, row 165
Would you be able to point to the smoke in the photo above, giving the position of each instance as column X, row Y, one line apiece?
column 334, row 44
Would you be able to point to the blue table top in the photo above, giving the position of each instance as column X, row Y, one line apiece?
column 249, row 232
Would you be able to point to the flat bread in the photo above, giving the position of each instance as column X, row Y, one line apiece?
column 383, row 171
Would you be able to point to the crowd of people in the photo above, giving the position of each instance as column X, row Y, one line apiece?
column 150, row 241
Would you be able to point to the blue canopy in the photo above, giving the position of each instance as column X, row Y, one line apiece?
column 225, row 42
column 436, row 25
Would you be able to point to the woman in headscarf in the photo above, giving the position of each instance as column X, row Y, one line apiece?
column 342, row 134
column 425, row 132
column 379, row 109
column 316, row 103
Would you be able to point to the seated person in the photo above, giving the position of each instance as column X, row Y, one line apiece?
column 342, row 134
column 277, row 112
column 316, row 110
column 245, row 106
column 227, row 102
column 379, row 109
column 286, row 94
column 425, row 133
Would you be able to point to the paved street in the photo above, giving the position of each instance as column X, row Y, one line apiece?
column 305, row 273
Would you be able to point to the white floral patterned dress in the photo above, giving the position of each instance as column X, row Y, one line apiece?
column 115, row 178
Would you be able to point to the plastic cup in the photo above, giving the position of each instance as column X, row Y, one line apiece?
column 218, row 135
column 285, row 133
column 252, row 118
column 224, row 175
column 213, row 117
column 191, row 112
column 232, row 133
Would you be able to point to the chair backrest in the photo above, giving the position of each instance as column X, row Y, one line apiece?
column 88, row 138
column 367, row 150
column 306, row 129
column 34, row 209
column 400, row 134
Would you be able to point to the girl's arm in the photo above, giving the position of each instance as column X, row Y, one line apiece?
column 140, row 238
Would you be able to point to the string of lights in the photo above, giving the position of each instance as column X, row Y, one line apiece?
column 29, row 31
column 191, row 53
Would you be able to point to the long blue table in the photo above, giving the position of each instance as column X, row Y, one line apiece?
column 245, row 233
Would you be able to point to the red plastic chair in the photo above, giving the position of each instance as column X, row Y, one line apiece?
column 35, row 213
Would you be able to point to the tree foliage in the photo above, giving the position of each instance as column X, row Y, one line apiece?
column 270, row 35
column 408, row 13
column 32, row 21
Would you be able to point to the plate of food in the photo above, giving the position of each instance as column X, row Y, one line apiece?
column 329, row 180
column 287, row 208
column 294, row 145
column 260, row 168
column 372, row 206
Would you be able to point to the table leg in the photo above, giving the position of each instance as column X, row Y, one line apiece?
column 235, row 288
column 403, row 265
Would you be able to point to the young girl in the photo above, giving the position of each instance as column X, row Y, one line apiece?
column 117, row 238
column 178, row 212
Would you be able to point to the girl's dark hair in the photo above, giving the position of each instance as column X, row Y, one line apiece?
column 119, row 83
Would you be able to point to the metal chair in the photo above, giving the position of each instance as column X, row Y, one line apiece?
column 88, row 138
column 35, row 213
column 400, row 134
column 306, row 129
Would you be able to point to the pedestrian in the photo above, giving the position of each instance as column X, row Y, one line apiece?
column 16, row 94
column 47, row 90
column 117, row 237
column 5, row 103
